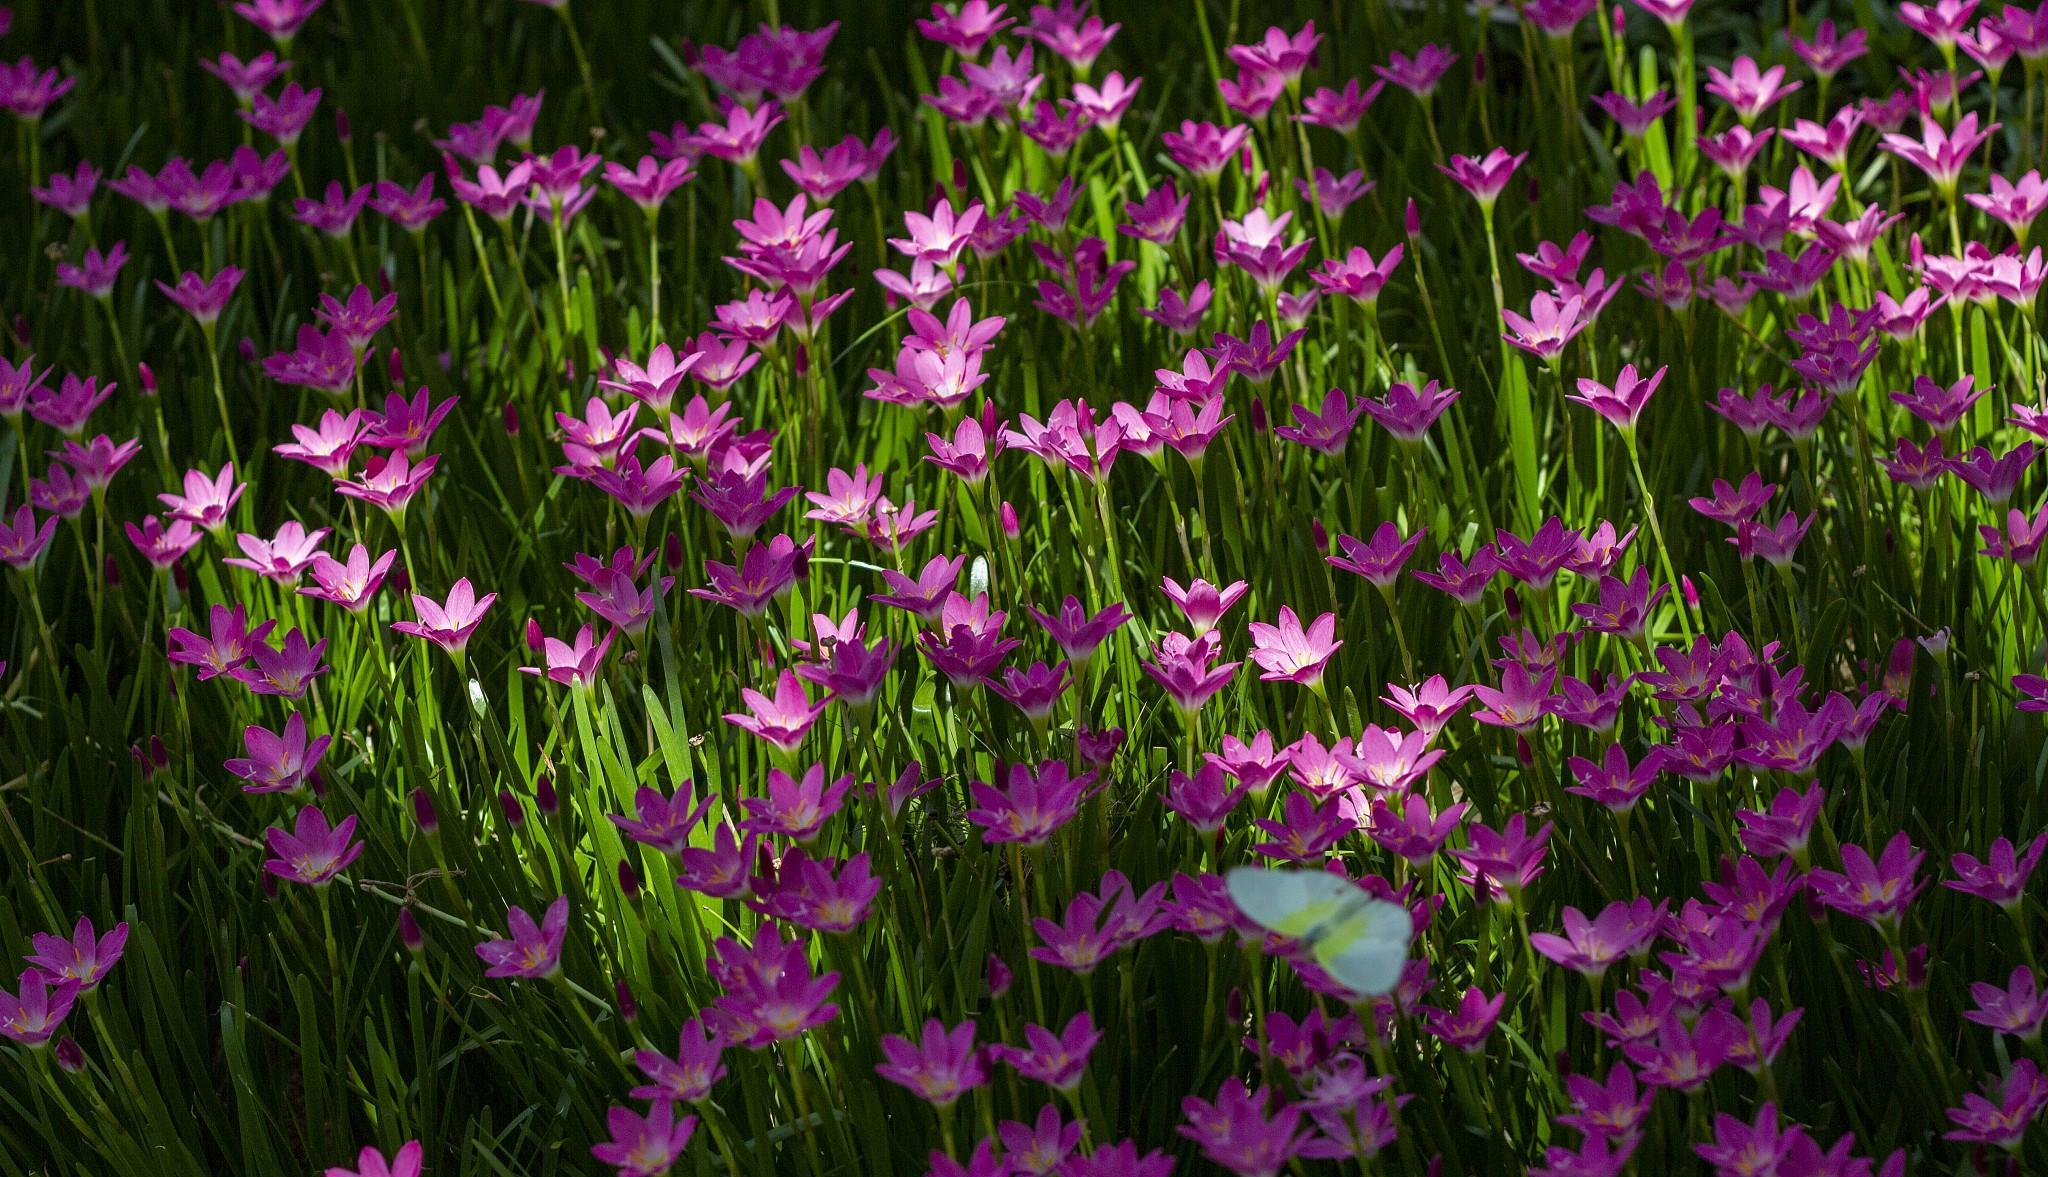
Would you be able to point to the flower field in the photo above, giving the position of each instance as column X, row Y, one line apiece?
column 621, row 586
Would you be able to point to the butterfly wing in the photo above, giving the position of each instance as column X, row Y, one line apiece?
column 1290, row 902
column 1364, row 946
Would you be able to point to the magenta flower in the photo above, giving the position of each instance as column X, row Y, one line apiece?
column 83, row 959
column 796, row 808
column 1420, row 74
column 1622, row 405
column 1747, row 89
column 782, row 719
column 645, row 1146
column 1550, row 325
column 352, row 584
column 534, row 951
column 688, row 1076
column 1288, row 653
column 159, row 544
column 1876, row 891
column 22, row 539
column 1510, row 859
column 1613, row 782
column 448, row 625
column 278, row 762
column 1469, row 1025
column 573, row 664
column 941, row 1068
column 287, row 670
column 204, row 298
column 1938, row 152
column 2002, row 877
column 1484, row 176
column 283, row 557
column 1056, row 1060
column 1413, row 832
column 1590, row 947
column 389, row 482
column 1032, row 804
column 770, row 994
column 2020, row 1096
column 312, row 854
column 1186, row 668
column 35, row 1014
column 1236, row 1132
column 370, row 1162
column 2019, row 1009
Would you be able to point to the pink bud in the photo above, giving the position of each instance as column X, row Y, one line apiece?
column 383, row 277
column 1259, row 421
column 247, row 350
column 112, row 574
column 1007, row 517
column 1233, row 1005
column 1690, row 591
column 409, row 933
column 148, row 376
column 70, row 1059
column 802, row 361
column 672, row 551
column 342, row 130
column 1514, row 603
column 629, row 882
column 511, row 417
column 423, row 812
column 1531, row 188
column 514, row 811
column 959, row 174
column 394, row 366
column 1412, row 220
column 181, row 578
column 269, row 886
column 535, row 640
column 1259, row 189
column 999, row 976
column 544, row 797
column 1523, row 752
column 1320, row 534
column 158, row 754
column 629, row 1010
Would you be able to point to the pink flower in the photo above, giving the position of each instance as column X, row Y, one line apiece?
column 204, row 298
column 782, row 719
column 941, row 1068
column 312, row 854
column 574, row 664
column 1749, row 90
column 795, row 808
column 1941, row 153
column 1877, row 891
column 1202, row 603
column 534, row 951
column 2021, row 1095
column 1236, row 1132
column 1469, row 1025
column 1032, row 805
column 1590, row 947
column 1550, row 325
column 688, row 1076
column 1623, row 404
column 82, row 959
column 2002, row 877
column 448, row 625
column 1288, row 653
column 405, row 1162
column 278, row 762
column 36, row 1014
column 770, row 994
column 1484, row 176
column 645, row 1146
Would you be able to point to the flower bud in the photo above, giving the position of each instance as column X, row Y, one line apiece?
column 111, row 573
column 1007, row 518
column 247, row 350
column 629, row 881
column 672, row 552
column 394, row 366
column 999, row 976
column 511, row 419
column 514, row 811
column 409, row 933
column 148, row 377
column 70, row 1059
column 423, row 813
column 535, row 640
column 629, row 1010
column 544, row 797
column 1411, row 220
column 342, row 130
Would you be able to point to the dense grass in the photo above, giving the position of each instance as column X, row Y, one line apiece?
column 257, row 1024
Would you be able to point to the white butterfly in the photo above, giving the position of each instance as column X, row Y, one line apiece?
column 1360, row 941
